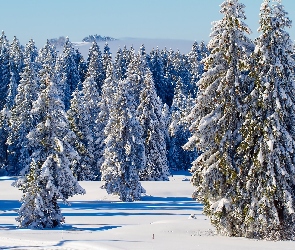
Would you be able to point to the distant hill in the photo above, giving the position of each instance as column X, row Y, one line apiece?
column 184, row 46
column 58, row 42
column 98, row 38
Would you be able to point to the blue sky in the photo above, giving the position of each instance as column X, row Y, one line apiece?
column 168, row 19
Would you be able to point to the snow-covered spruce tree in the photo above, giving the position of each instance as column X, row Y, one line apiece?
column 16, row 59
column 4, row 117
column 136, row 71
column 91, row 103
column 82, row 116
column 169, row 74
column 31, row 52
column 45, row 62
column 21, row 121
column 124, row 153
column 216, row 121
column 166, row 119
column 180, row 159
column 204, row 50
column 109, row 88
column 81, row 167
column 195, row 65
column 157, row 68
column 95, row 66
column 49, row 176
column 106, row 61
column 81, row 65
column 4, row 114
column 11, row 92
column 4, row 69
column 121, row 63
column 268, row 145
column 150, row 116
column 68, row 72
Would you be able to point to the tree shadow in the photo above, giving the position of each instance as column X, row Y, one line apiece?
column 96, row 227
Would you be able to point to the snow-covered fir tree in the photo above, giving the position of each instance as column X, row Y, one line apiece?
column 21, row 121
column 9, row 69
column 136, row 71
column 169, row 74
column 4, row 128
column 124, row 153
column 195, row 65
column 150, row 117
column 166, row 120
column 31, row 52
column 109, row 89
column 82, row 116
column 4, row 69
column 49, row 176
column 45, row 62
column 68, row 72
column 81, row 167
column 204, row 50
column 95, row 66
column 106, row 61
column 12, row 90
column 268, row 146
column 81, row 65
column 157, row 68
column 180, row 159
column 182, row 69
column 216, row 119
column 121, row 63
column 16, row 59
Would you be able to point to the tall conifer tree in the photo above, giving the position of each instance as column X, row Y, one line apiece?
column 216, row 120
column 268, row 146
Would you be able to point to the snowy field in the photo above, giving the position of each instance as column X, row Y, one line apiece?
column 162, row 220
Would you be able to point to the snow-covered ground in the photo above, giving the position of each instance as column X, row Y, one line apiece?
column 162, row 220
column 184, row 46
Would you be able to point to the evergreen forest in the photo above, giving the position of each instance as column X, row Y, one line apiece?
column 224, row 111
